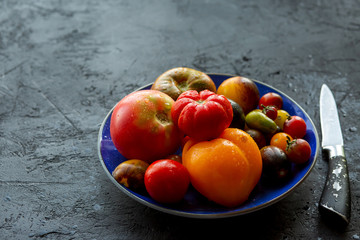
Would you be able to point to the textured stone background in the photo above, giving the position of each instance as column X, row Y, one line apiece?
column 65, row 64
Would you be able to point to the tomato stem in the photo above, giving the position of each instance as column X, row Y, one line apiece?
column 289, row 143
column 266, row 109
column 162, row 117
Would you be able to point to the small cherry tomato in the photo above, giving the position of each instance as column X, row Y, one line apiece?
column 282, row 115
column 258, row 137
column 270, row 111
column 280, row 140
column 298, row 151
column 295, row 126
column 166, row 181
column 271, row 99
column 276, row 165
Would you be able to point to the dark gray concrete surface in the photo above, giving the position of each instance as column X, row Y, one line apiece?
column 65, row 64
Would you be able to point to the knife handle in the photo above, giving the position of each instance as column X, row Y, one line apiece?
column 335, row 200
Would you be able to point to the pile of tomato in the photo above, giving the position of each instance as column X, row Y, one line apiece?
column 279, row 137
column 229, row 138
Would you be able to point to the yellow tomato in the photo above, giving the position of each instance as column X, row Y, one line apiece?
column 281, row 118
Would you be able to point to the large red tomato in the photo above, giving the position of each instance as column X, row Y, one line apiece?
column 141, row 126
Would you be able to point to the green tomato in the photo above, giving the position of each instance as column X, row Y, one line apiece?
column 259, row 121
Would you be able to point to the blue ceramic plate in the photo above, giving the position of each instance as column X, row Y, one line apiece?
column 195, row 205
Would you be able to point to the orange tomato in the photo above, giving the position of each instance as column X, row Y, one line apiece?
column 280, row 140
column 225, row 169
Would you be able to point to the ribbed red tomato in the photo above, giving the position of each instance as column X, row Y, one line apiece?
column 203, row 115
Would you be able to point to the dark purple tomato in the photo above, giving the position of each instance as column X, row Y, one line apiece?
column 258, row 137
column 276, row 165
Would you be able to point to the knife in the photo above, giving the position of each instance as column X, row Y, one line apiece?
column 334, row 203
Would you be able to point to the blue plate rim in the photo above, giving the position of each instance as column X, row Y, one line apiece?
column 211, row 215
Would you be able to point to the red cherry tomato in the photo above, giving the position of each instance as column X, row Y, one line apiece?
column 298, row 151
column 166, row 181
column 295, row 126
column 270, row 111
column 271, row 99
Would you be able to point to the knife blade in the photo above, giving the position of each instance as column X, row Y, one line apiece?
column 335, row 203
